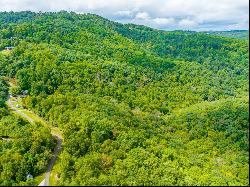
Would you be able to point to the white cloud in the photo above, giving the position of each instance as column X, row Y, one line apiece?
column 164, row 14
column 187, row 23
column 126, row 13
column 164, row 21
column 142, row 15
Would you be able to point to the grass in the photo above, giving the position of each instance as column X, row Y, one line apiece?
column 33, row 182
column 5, row 52
column 38, row 119
column 13, row 82
column 15, row 102
column 52, row 178
column 38, row 179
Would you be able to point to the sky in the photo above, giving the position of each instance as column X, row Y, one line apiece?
column 198, row 15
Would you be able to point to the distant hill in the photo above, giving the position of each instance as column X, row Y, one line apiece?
column 239, row 34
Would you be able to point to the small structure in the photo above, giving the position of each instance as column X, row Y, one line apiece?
column 18, row 106
column 29, row 176
column 5, row 138
column 9, row 48
column 25, row 92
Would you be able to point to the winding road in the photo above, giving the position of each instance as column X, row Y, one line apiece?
column 57, row 150
column 20, row 111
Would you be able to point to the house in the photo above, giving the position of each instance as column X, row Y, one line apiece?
column 9, row 48
column 25, row 92
column 29, row 176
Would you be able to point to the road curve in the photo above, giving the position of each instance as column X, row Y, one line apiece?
column 57, row 150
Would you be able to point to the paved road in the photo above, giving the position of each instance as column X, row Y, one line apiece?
column 57, row 150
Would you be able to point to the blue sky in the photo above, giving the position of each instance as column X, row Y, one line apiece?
column 161, row 14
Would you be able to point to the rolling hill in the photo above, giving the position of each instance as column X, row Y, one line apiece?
column 137, row 106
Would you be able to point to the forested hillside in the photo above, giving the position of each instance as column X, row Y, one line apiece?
column 240, row 34
column 137, row 106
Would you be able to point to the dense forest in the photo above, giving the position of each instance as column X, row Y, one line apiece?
column 137, row 106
